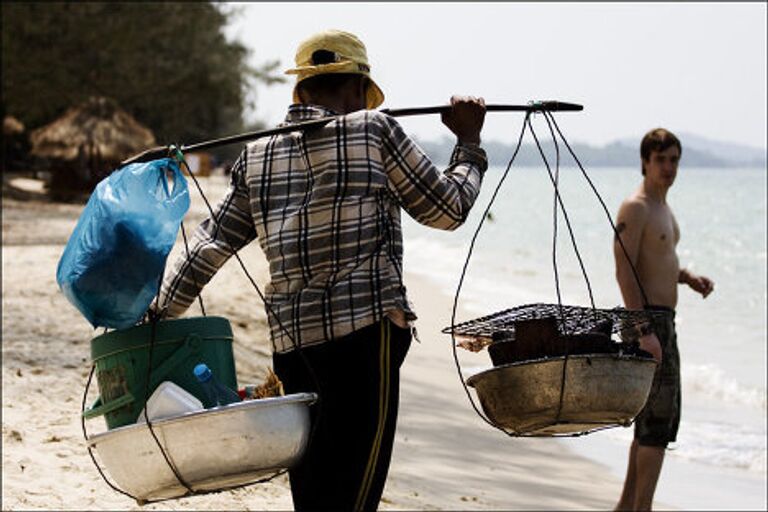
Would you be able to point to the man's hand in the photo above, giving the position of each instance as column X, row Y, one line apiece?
column 700, row 284
column 466, row 118
column 154, row 312
column 650, row 343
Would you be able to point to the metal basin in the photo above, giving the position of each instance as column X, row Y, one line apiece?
column 599, row 390
column 211, row 449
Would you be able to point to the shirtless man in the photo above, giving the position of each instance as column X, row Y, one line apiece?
column 649, row 233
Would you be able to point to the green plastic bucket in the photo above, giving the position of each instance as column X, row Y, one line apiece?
column 122, row 358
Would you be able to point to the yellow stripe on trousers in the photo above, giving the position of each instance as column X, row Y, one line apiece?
column 383, row 409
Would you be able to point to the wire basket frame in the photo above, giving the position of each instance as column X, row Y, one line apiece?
column 570, row 320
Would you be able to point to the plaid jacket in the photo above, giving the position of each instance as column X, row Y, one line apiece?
column 325, row 206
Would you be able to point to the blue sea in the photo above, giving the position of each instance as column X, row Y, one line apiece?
column 722, row 339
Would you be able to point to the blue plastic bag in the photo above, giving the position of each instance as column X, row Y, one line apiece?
column 111, row 266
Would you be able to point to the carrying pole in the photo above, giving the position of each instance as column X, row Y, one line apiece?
column 534, row 106
column 163, row 151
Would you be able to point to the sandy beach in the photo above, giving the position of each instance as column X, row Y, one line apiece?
column 445, row 457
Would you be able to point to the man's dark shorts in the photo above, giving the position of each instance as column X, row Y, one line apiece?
column 657, row 423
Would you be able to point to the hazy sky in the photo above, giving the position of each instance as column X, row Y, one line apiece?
column 696, row 68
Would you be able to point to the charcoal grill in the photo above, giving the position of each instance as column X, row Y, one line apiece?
column 570, row 320
column 579, row 367
column 571, row 393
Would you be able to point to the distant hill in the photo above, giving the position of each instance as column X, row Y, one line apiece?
column 697, row 152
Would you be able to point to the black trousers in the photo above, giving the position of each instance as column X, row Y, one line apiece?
column 346, row 462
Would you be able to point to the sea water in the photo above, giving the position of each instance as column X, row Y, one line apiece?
column 722, row 339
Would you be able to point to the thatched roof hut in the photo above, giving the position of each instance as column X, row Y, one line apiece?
column 86, row 144
column 98, row 125
column 12, row 126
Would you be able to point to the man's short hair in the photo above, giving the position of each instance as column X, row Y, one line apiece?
column 323, row 85
column 657, row 139
column 335, row 52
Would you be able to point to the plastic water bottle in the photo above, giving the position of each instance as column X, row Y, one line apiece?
column 218, row 394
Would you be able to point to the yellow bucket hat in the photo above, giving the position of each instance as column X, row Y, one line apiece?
column 349, row 57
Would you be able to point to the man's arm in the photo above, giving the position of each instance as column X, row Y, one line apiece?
column 214, row 241
column 434, row 198
column 700, row 284
column 630, row 223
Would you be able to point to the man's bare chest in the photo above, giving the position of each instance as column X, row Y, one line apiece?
column 661, row 232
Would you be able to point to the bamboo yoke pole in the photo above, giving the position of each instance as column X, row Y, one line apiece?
column 163, row 151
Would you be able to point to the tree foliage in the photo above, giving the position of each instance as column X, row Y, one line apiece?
column 168, row 64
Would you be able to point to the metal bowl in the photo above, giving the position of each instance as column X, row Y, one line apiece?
column 598, row 390
column 211, row 449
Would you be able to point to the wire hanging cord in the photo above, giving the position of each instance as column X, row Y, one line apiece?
column 559, row 201
column 551, row 118
column 85, row 436
column 526, row 125
column 602, row 203
column 464, row 271
column 179, row 478
column 194, row 272
column 552, row 122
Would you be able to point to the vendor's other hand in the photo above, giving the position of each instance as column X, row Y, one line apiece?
column 650, row 343
column 153, row 313
column 702, row 285
column 466, row 117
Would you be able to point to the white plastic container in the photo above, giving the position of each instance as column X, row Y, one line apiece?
column 169, row 400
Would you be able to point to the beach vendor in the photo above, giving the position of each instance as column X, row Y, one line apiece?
column 325, row 206
column 650, row 234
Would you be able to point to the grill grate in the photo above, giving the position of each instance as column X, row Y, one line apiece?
column 570, row 320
